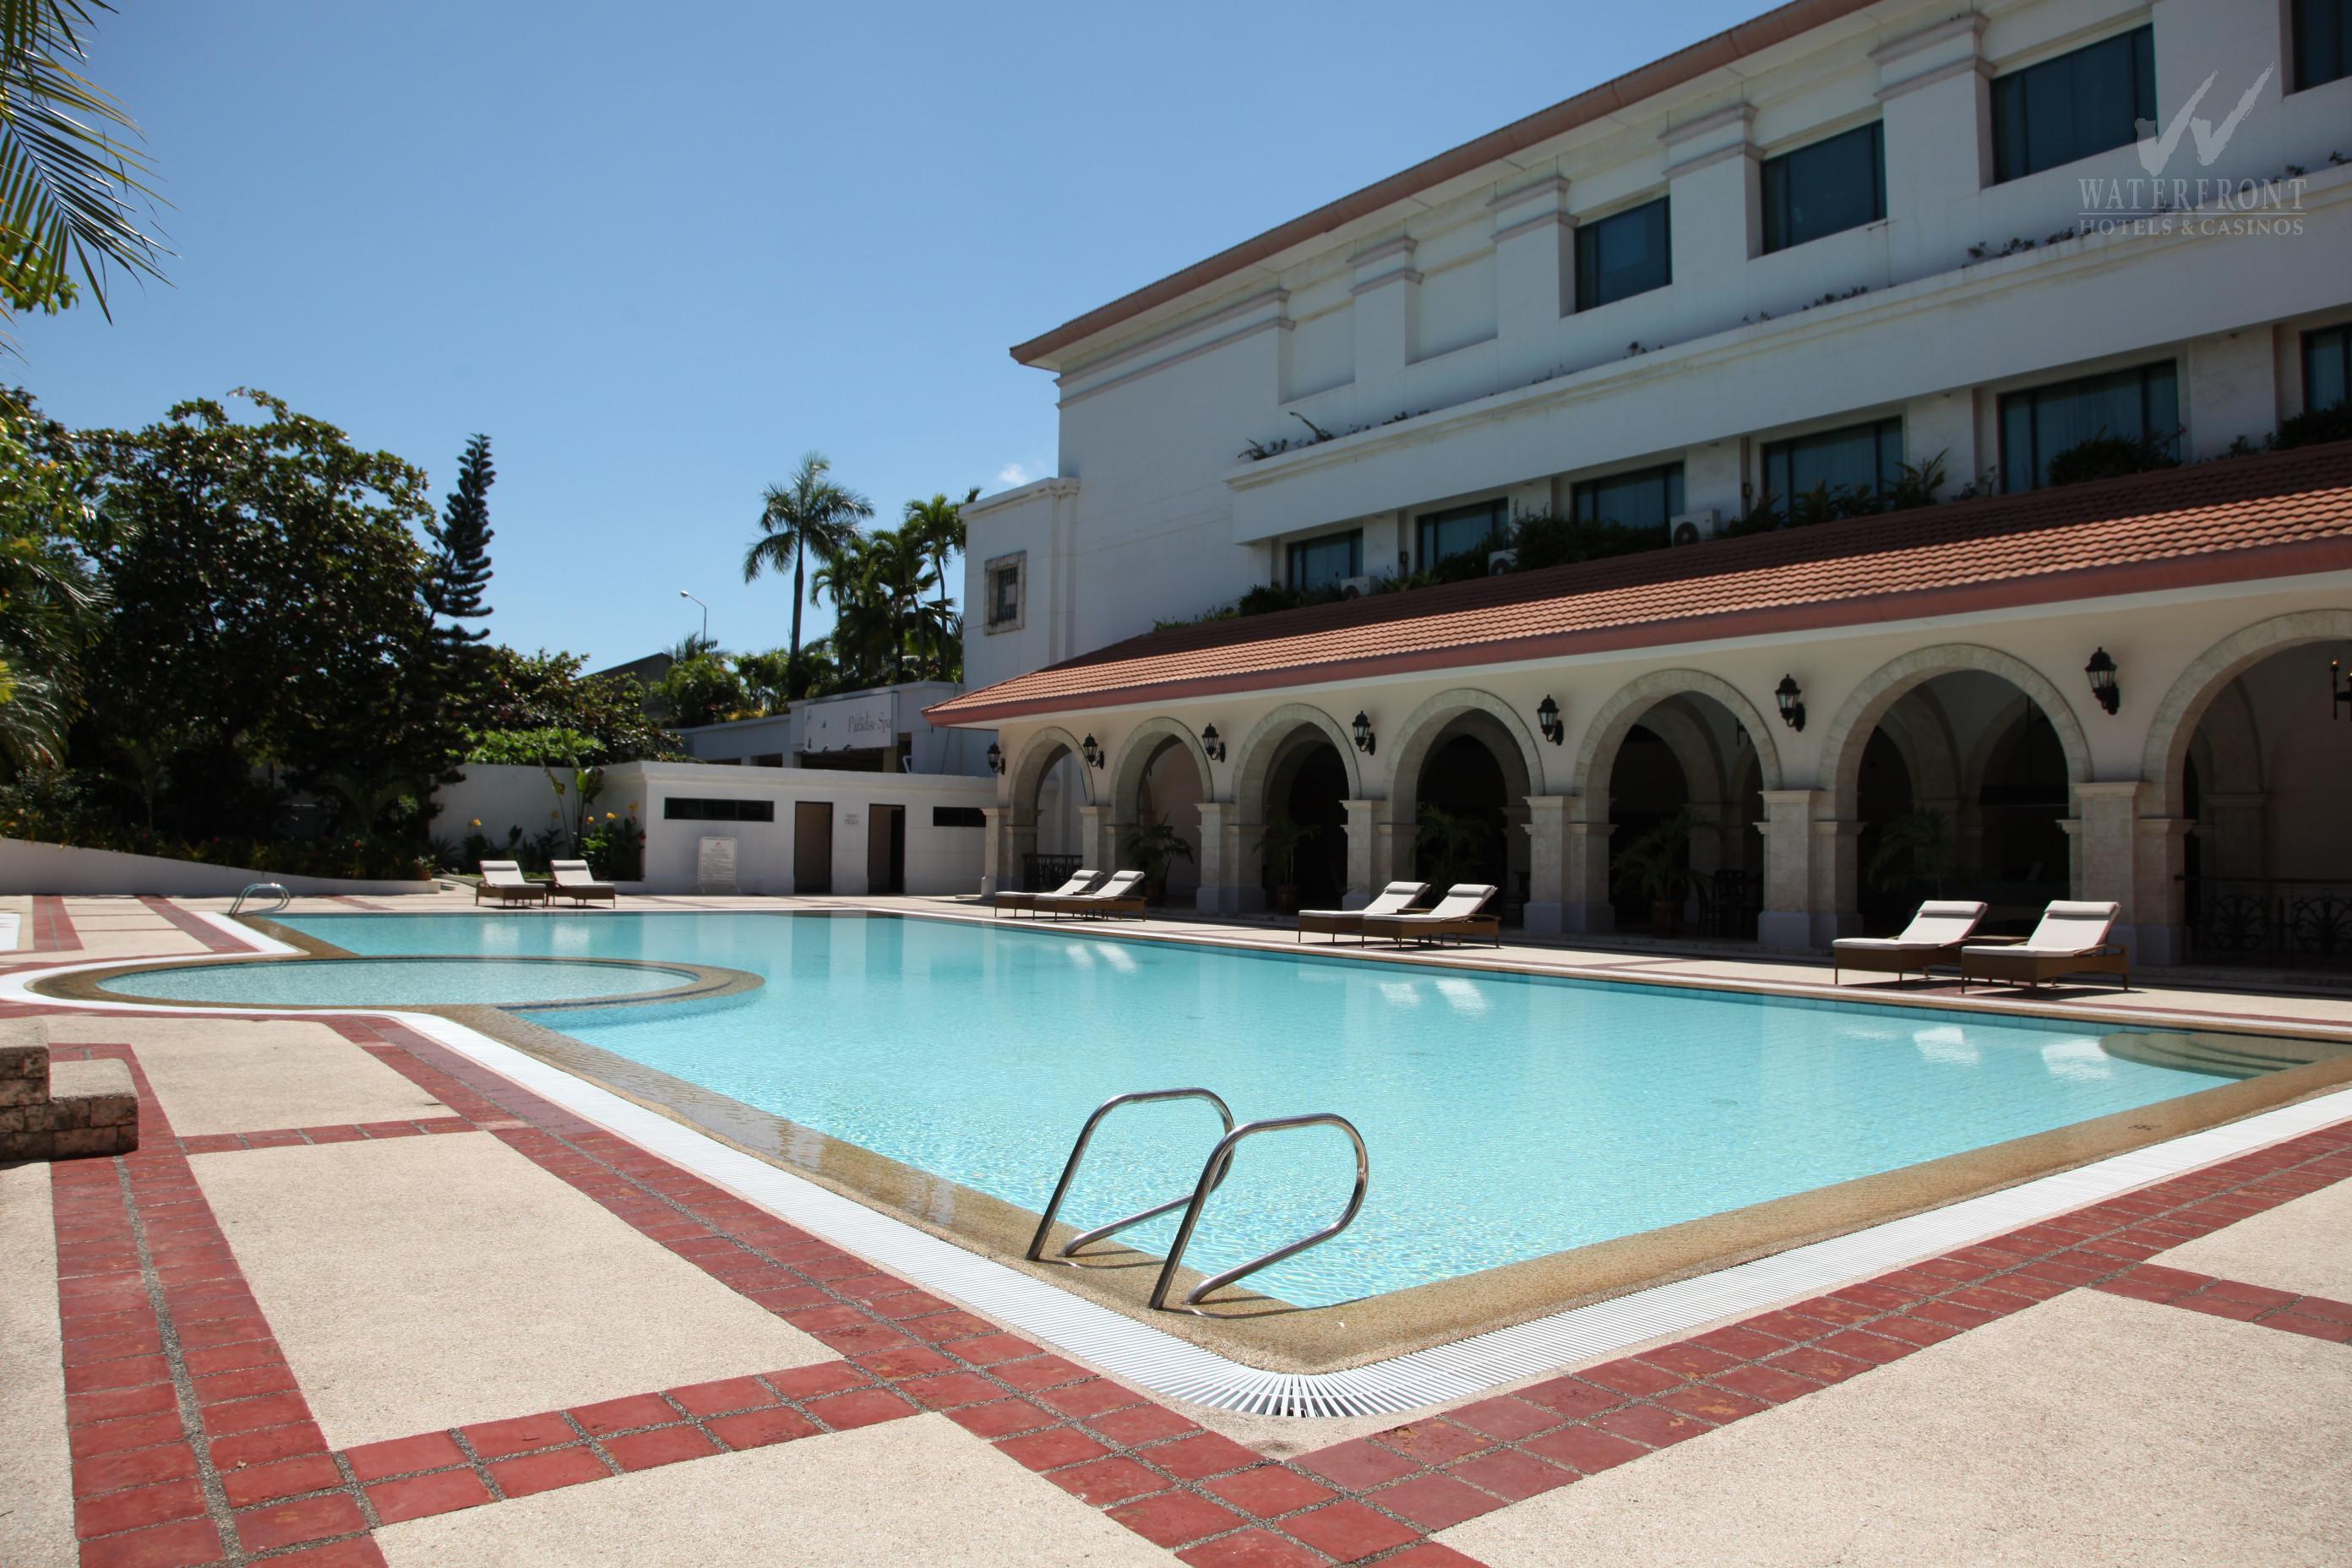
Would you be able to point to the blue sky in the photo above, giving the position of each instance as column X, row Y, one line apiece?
column 657, row 264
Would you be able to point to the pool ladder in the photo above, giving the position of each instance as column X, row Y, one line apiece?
column 1213, row 1176
column 255, row 888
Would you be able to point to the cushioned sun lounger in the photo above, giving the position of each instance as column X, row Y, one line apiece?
column 573, row 881
column 1934, row 936
column 2071, row 940
column 1396, row 898
column 503, row 882
column 1079, row 883
column 1122, row 895
column 1457, row 915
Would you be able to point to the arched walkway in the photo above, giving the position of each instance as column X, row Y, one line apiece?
column 1468, row 758
column 1046, row 792
column 1300, row 766
column 1161, row 779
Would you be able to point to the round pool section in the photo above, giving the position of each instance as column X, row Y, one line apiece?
column 400, row 983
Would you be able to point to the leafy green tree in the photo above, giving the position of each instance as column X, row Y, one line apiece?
column 547, row 691
column 700, row 691
column 767, row 679
column 71, row 176
column 811, row 517
column 936, row 526
column 459, row 570
column 51, row 597
column 268, row 612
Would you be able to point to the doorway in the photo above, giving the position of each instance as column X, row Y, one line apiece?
column 885, row 848
column 811, row 847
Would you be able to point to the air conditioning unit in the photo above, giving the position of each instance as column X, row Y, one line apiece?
column 1501, row 561
column 1692, row 526
column 1354, row 587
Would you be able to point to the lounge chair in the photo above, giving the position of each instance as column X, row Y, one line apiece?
column 573, row 881
column 502, row 880
column 1122, row 895
column 2071, row 940
column 1935, row 935
column 1457, row 915
column 1396, row 898
column 1080, row 880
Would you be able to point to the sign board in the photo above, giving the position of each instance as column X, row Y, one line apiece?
column 847, row 723
column 714, row 867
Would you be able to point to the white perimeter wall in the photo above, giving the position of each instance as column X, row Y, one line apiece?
column 30, row 868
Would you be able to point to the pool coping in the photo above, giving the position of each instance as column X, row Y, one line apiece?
column 1272, row 1338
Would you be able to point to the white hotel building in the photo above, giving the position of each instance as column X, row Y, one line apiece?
column 1848, row 236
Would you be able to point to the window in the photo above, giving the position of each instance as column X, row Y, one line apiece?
column 958, row 816
column 1645, row 498
column 1623, row 255
column 2038, row 424
column 2323, row 42
column 1826, row 188
column 1455, row 531
column 2074, row 106
column 1861, row 457
column 685, row 808
column 2326, row 367
column 1002, row 577
column 1327, row 562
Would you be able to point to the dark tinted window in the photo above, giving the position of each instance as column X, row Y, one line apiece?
column 958, row 816
column 1828, row 187
column 1325, row 563
column 687, row 808
column 1439, row 534
column 1623, row 255
column 1859, row 456
column 2038, row 424
column 2326, row 367
column 1645, row 498
column 2074, row 106
column 2323, row 41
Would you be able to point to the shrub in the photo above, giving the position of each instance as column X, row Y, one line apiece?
column 2106, row 457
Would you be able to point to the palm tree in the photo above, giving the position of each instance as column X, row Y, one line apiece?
column 811, row 516
column 937, row 527
column 67, row 179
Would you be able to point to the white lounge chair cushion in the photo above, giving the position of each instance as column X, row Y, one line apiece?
column 574, row 874
column 2067, row 928
column 1461, row 901
column 1080, row 880
column 1394, row 900
column 1938, row 923
column 504, row 874
column 1122, row 885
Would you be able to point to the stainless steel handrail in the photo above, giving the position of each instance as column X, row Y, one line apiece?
column 284, row 898
column 1078, row 1152
column 1213, row 1173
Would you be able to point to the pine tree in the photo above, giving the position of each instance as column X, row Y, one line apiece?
column 460, row 570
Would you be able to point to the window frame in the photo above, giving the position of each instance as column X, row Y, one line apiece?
column 1017, row 563
column 1669, row 476
column 1589, row 232
column 1428, row 523
column 706, row 808
column 2312, row 348
column 2012, row 86
column 2299, row 55
column 2146, row 372
column 1296, row 551
column 1785, row 448
column 1775, row 212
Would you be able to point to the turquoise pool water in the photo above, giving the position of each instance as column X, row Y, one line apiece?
column 1508, row 1116
column 407, row 982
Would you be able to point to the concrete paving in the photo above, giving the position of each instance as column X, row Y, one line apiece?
column 2304, row 1247
column 232, row 1076
column 909, row 1494
column 2090, row 1430
column 36, row 1482
column 494, row 1288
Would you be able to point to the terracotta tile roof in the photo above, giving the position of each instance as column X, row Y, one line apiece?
column 2272, row 516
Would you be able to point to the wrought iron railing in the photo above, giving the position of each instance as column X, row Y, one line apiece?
column 1044, row 873
column 2269, row 919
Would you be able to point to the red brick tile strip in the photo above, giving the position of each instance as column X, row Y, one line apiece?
column 279, row 1137
column 213, row 939
column 2320, row 1317
column 53, row 930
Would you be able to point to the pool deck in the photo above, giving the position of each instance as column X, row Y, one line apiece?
column 358, row 1299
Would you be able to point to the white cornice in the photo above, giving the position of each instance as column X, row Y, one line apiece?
column 1742, row 115
column 1930, row 78
column 1279, row 299
column 1970, row 23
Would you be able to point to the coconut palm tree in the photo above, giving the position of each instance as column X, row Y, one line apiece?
column 809, row 517
column 937, row 526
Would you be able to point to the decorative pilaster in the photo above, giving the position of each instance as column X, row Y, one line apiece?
column 1789, row 896
column 995, row 845
column 1546, row 863
column 1585, row 827
column 1363, row 841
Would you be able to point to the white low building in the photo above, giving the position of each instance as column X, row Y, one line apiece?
column 881, row 730
column 1854, row 247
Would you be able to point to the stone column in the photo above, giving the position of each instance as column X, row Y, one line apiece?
column 1097, row 837
column 995, row 844
column 1363, row 843
column 1837, row 879
column 1587, row 909
column 2105, row 834
column 1218, row 853
column 1546, row 863
column 2160, row 935
column 1789, row 883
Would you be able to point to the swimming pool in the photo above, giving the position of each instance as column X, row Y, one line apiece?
column 397, row 983
column 1508, row 1116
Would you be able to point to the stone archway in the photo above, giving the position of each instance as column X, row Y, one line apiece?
column 1024, row 780
column 1447, row 720
column 1142, row 760
column 2177, row 715
column 1232, row 868
column 1842, row 743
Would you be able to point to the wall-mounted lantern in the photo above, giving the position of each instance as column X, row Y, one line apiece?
column 1092, row 753
column 1792, row 700
column 1213, row 745
column 2338, row 689
column 996, row 759
column 2101, row 671
column 1365, row 739
column 1547, row 720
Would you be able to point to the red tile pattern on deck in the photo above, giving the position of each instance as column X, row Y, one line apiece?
column 53, row 929
column 351, row 1132
column 192, row 1442
column 213, row 939
column 2320, row 1317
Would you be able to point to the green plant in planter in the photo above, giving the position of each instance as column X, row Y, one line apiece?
column 1655, row 866
column 1151, row 847
column 1453, row 841
column 1913, row 849
column 1279, row 842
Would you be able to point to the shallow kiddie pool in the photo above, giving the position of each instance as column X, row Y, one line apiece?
column 398, row 981
column 1510, row 1116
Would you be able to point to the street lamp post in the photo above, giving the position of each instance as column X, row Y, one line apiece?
column 705, row 616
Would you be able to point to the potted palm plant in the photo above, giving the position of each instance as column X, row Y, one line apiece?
column 1451, row 844
column 1656, row 867
column 1279, row 841
column 1151, row 847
